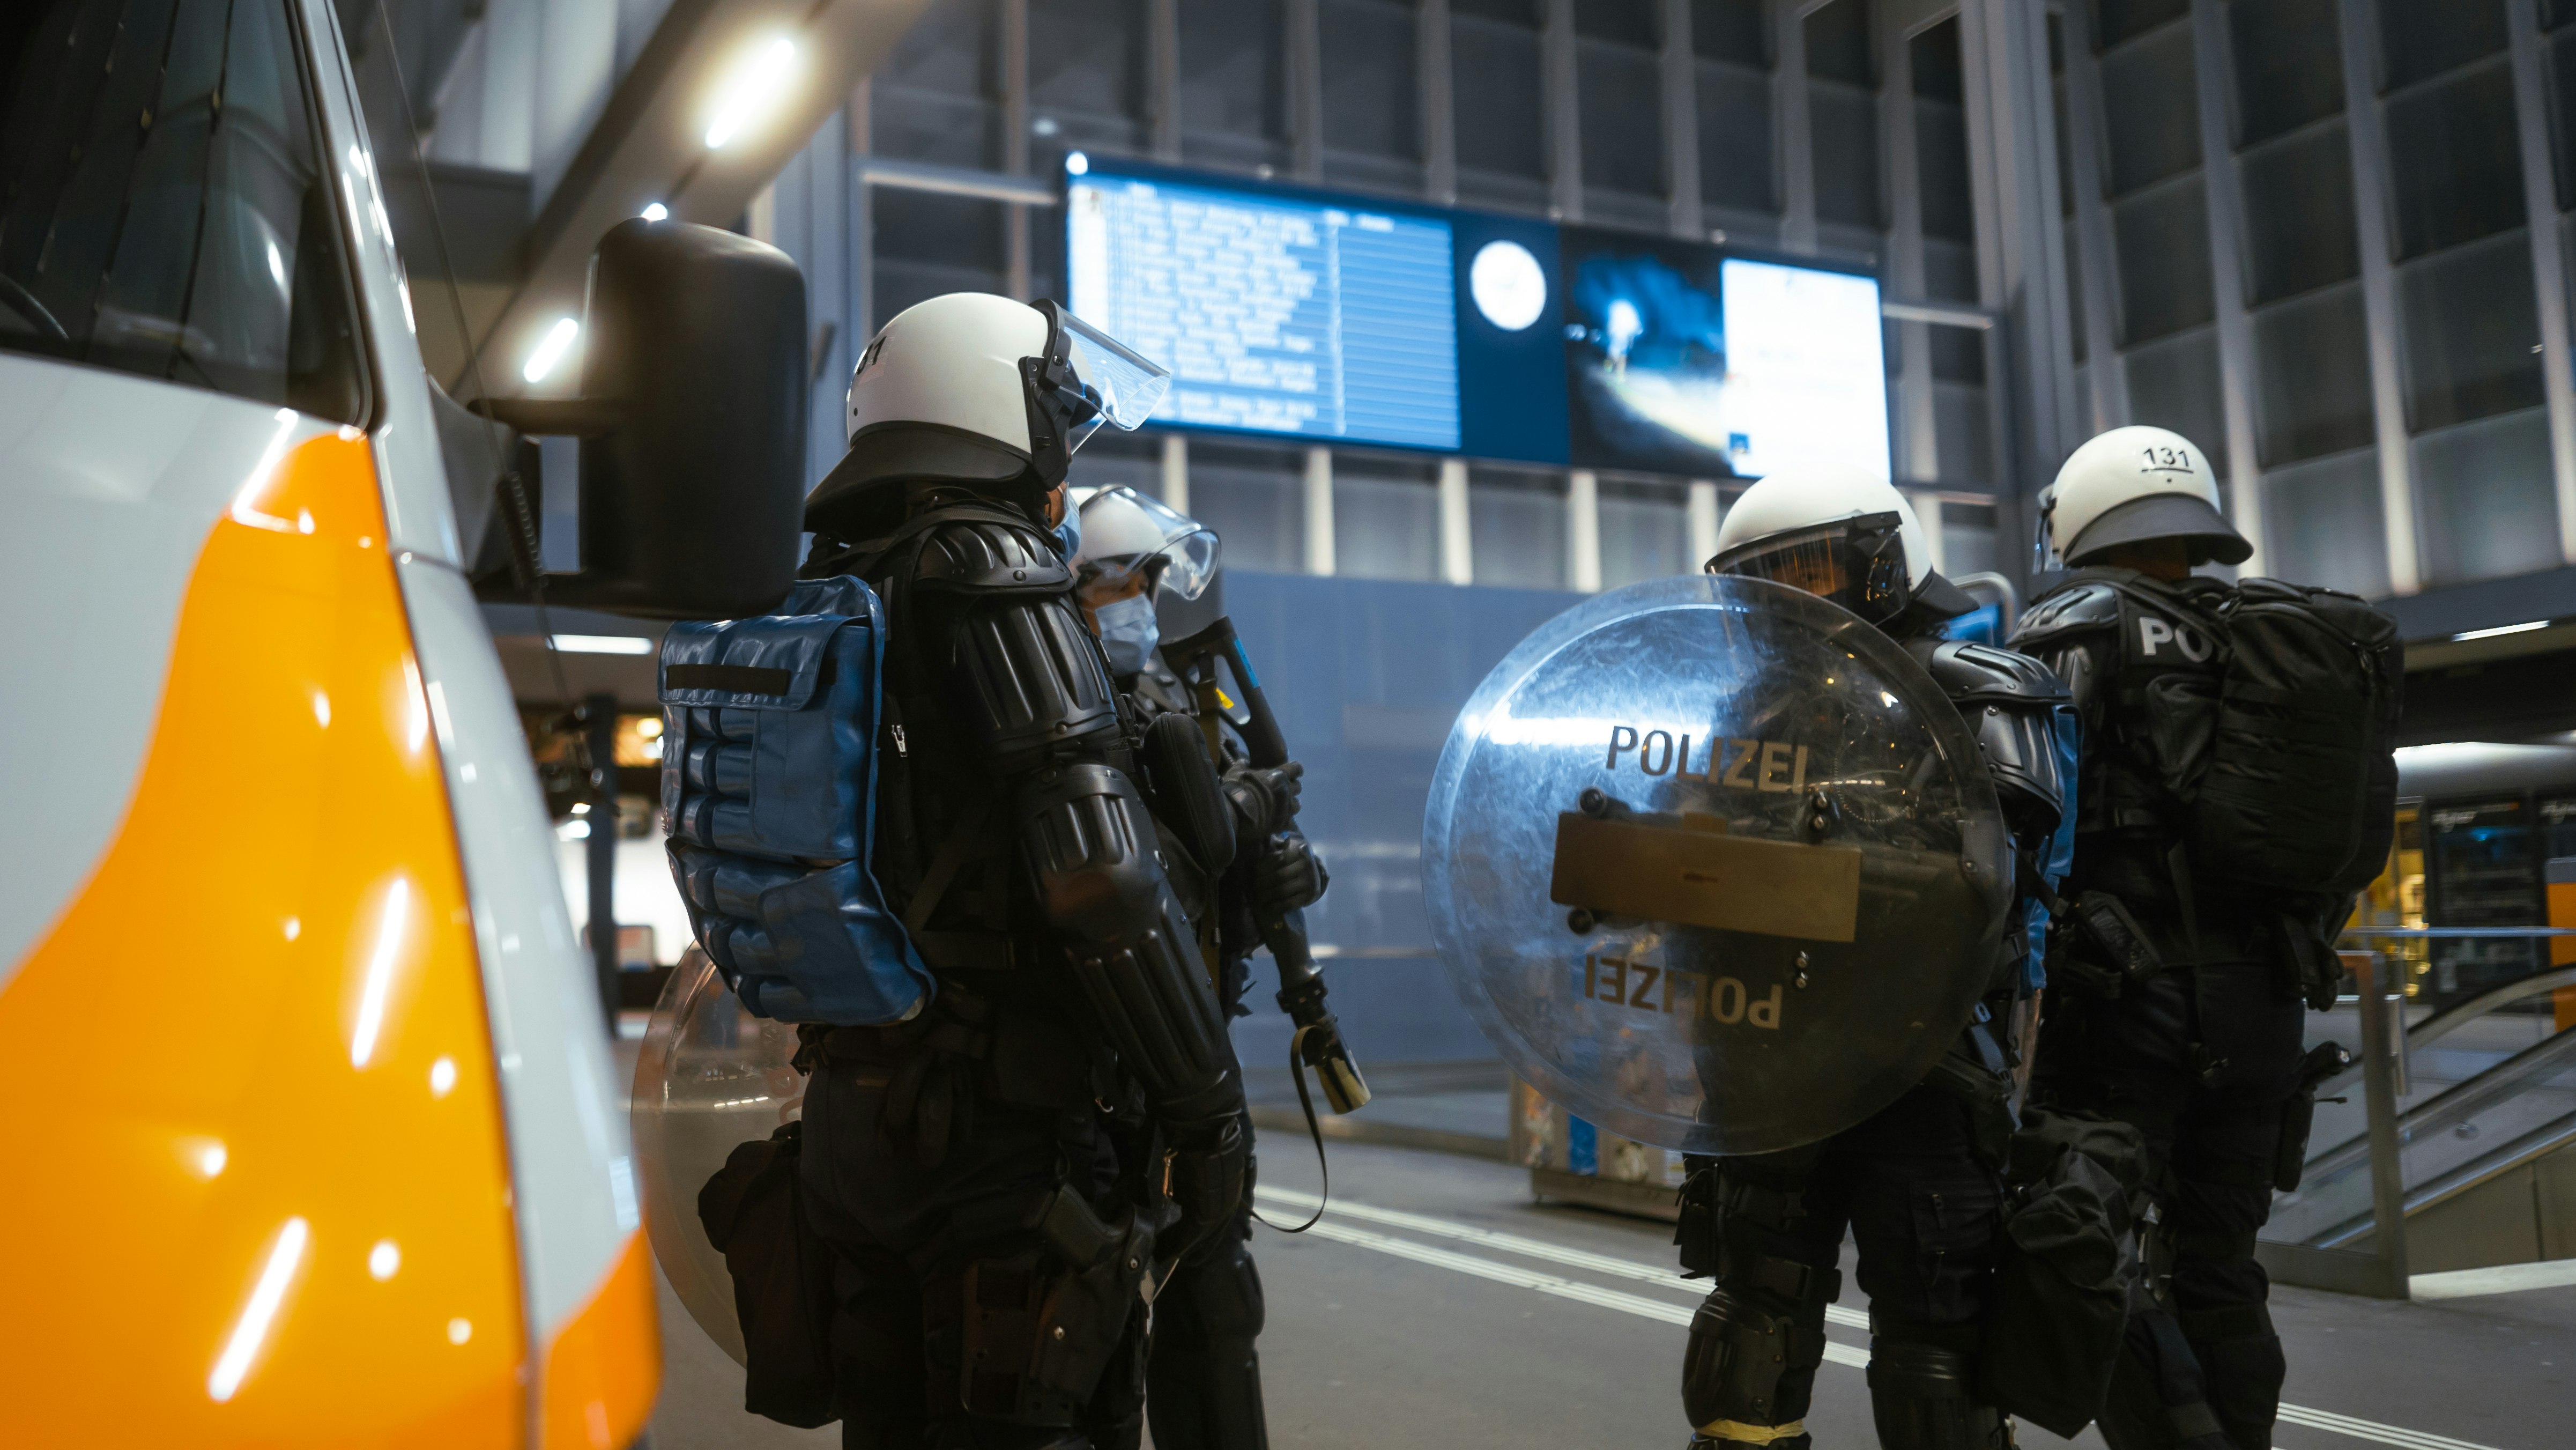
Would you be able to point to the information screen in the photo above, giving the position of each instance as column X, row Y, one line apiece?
column 1681, row 359
column 1275, row 314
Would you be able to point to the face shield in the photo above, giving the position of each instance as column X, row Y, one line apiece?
column 2043, row 545
column 1136, row 544
column 1086, row 378
column 1858, row 563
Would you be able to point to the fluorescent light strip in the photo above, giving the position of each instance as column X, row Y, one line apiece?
column 2523, row 628
column 603, row 644
column 2326, row 1420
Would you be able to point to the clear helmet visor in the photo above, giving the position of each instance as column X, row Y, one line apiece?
column 1122, row 385
column 2043, row 544
column 1139, row 534
column 1858, row 563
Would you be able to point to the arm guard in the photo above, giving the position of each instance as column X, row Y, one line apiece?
column 1089, row 844
column 1028, row 683
column 2075, row 631
column 2010, row 702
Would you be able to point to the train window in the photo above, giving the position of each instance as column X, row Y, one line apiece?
column 164, row 209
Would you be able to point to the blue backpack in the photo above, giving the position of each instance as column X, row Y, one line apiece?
column 769, row 800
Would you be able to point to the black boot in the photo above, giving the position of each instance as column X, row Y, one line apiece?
column 1924, row 1398
column 2241, row 1367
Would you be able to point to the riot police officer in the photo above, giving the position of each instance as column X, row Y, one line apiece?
column 1916, row 1184
column 2202, row 1055
column 991, row 1244
column 1203, row 1374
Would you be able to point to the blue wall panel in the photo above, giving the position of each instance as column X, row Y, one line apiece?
column 1367, row 677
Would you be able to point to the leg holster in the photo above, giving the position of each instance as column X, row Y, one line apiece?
column 1033, row 1332
column 1923, row 1397
column 1204, row 1377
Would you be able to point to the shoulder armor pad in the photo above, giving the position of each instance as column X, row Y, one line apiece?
column 2077, row 605
column 1966, row 670
column 979, row 556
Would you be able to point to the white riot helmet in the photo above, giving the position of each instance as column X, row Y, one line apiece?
column 1125, row 533
column 2133, row 484
column 983, row 391
column 1837, row 532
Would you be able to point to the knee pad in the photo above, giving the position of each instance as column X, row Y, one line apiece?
column 1223, row 1291
column 1748, row 1367
column 1923, row 1397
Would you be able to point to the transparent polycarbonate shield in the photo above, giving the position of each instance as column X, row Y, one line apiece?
column 1715, row 865
column 710, row 1077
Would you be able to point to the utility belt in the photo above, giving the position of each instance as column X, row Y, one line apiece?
column 965, row 1050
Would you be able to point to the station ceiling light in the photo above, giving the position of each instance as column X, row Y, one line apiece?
column 751, row 91
column 558, row 341
column 655, row 211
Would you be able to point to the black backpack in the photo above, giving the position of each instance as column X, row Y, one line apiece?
column 2300, row 794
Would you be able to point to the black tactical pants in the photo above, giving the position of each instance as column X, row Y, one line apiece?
column 937, row 1265
column 2200, row 1061
column 1925, row 1213
column 1203, row 1381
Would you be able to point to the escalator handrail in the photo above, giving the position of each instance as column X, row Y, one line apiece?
column 2455, row 1103
column 2460, row 1014
column 2548, row 1138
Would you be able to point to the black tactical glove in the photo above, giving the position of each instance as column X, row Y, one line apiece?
column 1288, row 877
column 1204, row 1183
column 1266, row 800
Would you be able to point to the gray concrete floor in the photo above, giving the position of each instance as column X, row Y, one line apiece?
column 1418, row 1333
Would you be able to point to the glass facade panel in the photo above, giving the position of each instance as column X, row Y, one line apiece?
column 1963, row 425
column 2173, row 384
column 1234, row 93
column 1386, row 518
column 2162, row 238
column 2322, row 524
column 1838, row 44
column 1516, row 527
column 1087, row 67
column 1969, row 540
column 1628, row 22
column 1255, row 499
column 1844, row 123
column 936, row 98
column 1735, row 154
column 2472, row 337
column 2455, row 164
column 1622, row 123
column 2483, row 498
column 1731, row 30
column 2312, row 363
column 1645, row 533
column 2118, row 20
column 2289, row 65
column 2298, row 214
column 1502, row 127
column 2420, row 38
column 2150, row 98
column 1369, row 96
column 928, row 244
column 1112, row 458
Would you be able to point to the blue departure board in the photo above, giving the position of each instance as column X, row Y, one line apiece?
column 1276, row 314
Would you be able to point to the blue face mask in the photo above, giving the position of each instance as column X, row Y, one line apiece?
column 1128, row 633
column 1068, row 535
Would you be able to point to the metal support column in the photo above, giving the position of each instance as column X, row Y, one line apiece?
column 2106, row 371
column 1583, row 531
column 1918, row 437
column 1678, row 66
column 2021, row 257
column 1457, row 525
column 2548, row 263
column 1439, row 119
column 1564, row 117
column 1305, row 52
column 598, row 720
column 1793, row 121
column 1176, row 472
column 1319, row 511
column 2224, row 206
column 1702, row 514
column 2382, row 1043
column 2363, row 122
column 1013, row 62
column 1163, row 83
column 863, row 226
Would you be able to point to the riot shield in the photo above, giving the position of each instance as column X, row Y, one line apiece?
column 710, row 1077
column 1715, row 865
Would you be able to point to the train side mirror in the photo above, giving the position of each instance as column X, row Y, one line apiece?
column 692, row 425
